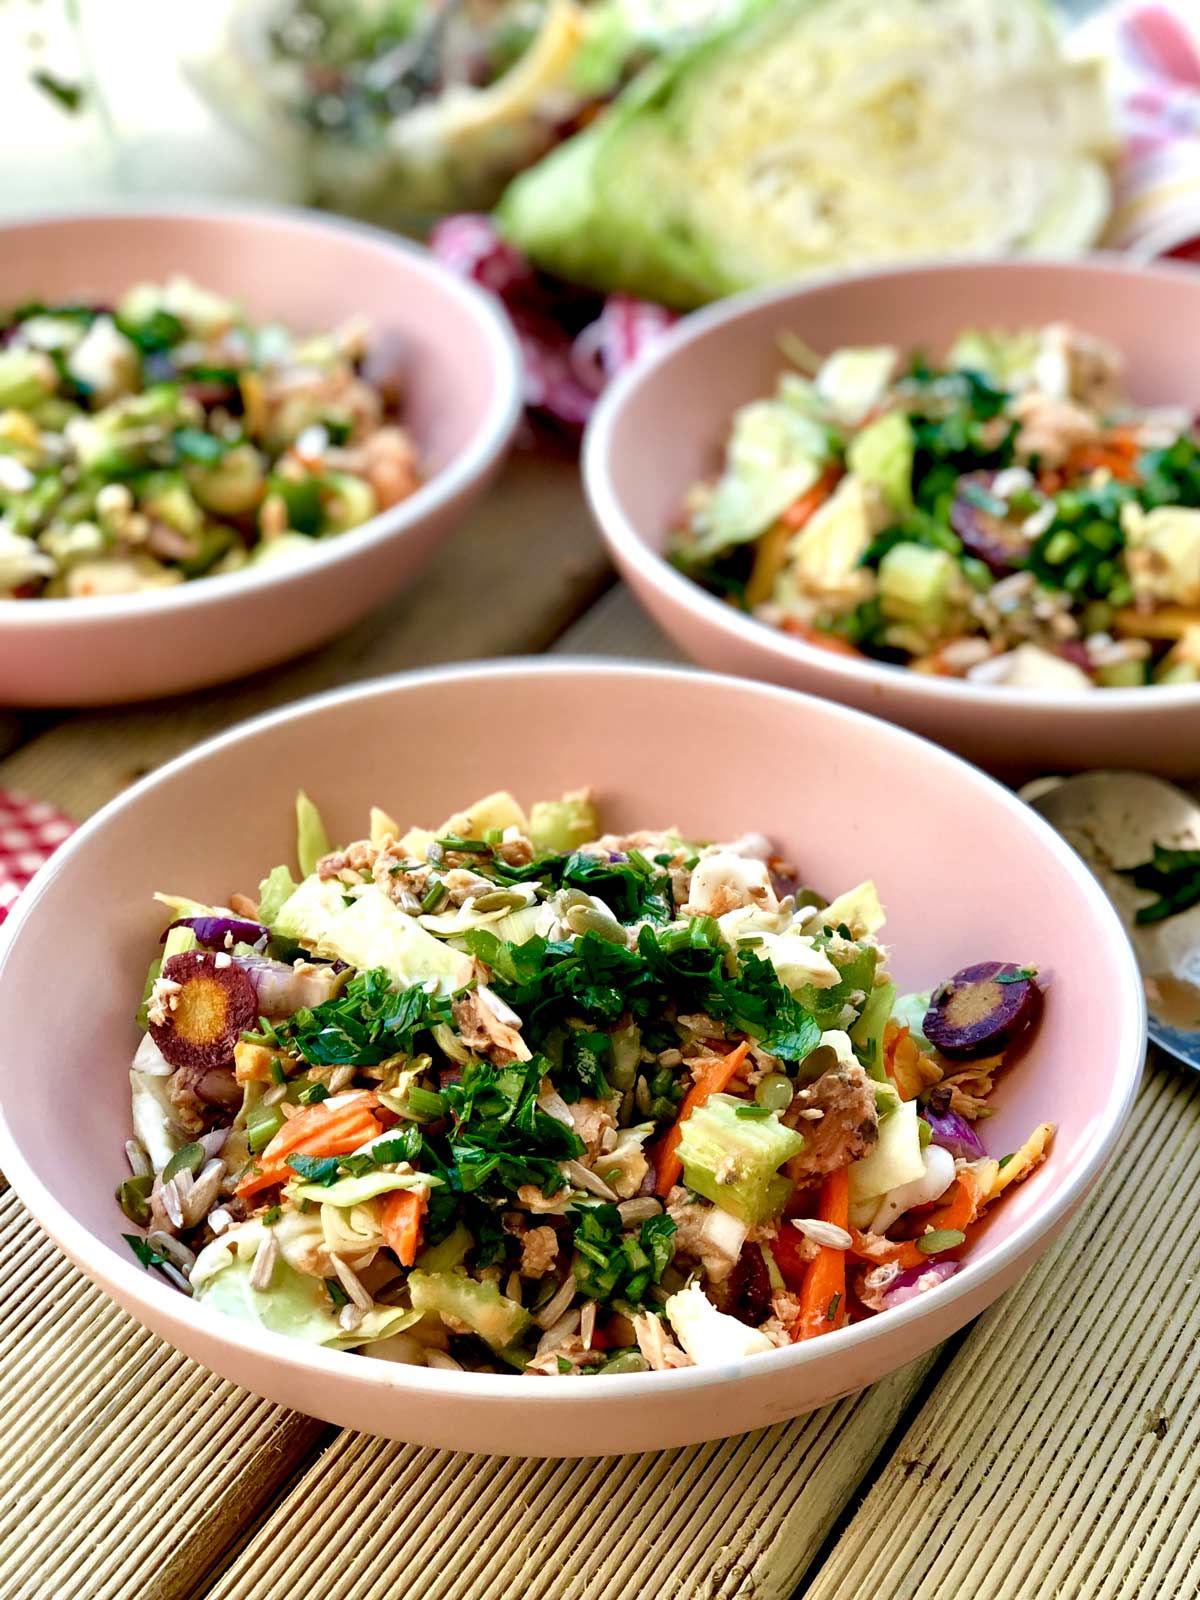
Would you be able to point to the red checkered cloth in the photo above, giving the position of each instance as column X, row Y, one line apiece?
column 30, row 832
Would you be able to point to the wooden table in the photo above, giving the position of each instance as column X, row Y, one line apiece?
column 1049, row 1450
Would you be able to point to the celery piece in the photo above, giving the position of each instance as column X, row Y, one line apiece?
column 867, row 1033
column 734, row 1161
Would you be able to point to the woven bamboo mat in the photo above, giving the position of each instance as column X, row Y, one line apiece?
column 126, row 1469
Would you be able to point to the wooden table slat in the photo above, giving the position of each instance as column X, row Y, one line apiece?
column 736, row 1518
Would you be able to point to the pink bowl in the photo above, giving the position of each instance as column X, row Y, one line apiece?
column 662, row 427
column 456, row 358
column 953, row 854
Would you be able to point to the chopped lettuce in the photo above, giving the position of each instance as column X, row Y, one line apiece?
column 825, row 559
column 372, row 931
column 562, row 825
column 309, row 911
column 1006, row 358
column 775, row 454
column 495, row 811
column 853, row 380
column 354, row 1191
column 733, row 1159
column 895, row 1158
column 296, row 1305
column 497, row 1320
column 858, row 909
column 276, row 888
column 882, row 454
column 312, row 842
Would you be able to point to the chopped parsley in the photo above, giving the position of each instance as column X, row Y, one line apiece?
column 368, row 1022
column 315, row 1169
column 1172, row 876
column 146, row 1253
column 611, row 1264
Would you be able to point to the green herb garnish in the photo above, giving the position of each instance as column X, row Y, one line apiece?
column 315, row 1169
column 1172, row 876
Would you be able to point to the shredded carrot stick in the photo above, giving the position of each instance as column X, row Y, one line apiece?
column 823, row 1292
column 801, row 509
column 315, row 1131
column 400, row 1219
column 715, row 1078
column 770, row 552
column 823, row 641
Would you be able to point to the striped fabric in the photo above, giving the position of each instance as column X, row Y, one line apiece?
column 1154, row 49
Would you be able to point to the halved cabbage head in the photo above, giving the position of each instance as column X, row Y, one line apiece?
column 816, row 134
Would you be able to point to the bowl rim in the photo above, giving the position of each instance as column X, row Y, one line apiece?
column 104, row 1262
column 489, row 444
column 634, row 553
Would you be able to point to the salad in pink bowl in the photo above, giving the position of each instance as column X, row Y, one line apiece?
column 517, row 1094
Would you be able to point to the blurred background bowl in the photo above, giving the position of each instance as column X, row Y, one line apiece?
column 459, row 371
column 662, row 428
column 842, row 795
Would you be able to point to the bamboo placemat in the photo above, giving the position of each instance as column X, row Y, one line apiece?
column 127, row 1469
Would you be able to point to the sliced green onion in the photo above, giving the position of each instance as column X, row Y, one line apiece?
column 262, row 1124
column 753, row 1113
column 312, row 1094
column 832, row 1308
column 475, row 847
column 774, row 1092
column 932, row 1244
column 278, row 1075
column 189, row 1157
column 433, row 896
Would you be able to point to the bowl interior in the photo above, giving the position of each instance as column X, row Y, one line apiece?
column 966, row 872
column 670, row 428
column 310, row 273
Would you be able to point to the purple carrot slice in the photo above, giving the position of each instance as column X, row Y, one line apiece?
column 982, row 1009
column 205, row 1017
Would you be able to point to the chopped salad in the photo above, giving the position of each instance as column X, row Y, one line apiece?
column 1007, row 516
column 169, row 438
column 520, row 1095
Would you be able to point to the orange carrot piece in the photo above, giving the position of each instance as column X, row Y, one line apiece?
column 400, row 1219
column 823, row 641
column 718, row 1076
column 823, row 1292
column 315, row 1131
column 801, row 509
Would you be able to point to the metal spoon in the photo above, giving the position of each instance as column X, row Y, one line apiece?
column 1113, row 819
